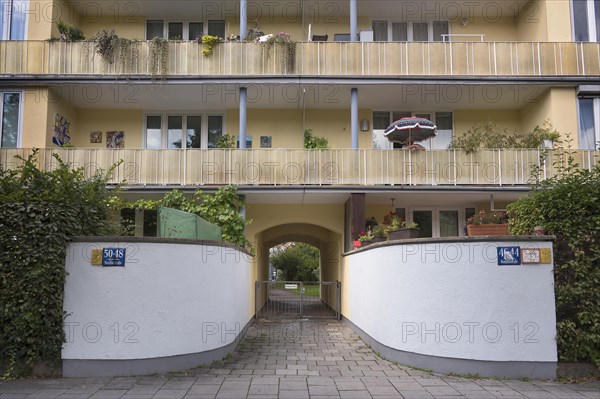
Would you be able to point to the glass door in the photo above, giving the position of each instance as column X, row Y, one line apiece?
column 439, row 222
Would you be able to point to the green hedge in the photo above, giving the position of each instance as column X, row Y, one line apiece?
column 39, row 211
column 569, row 207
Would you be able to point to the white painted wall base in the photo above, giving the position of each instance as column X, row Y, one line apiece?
column 176, row 301
column 447, row 305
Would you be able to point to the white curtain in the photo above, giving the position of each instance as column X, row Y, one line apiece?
column 587, row 134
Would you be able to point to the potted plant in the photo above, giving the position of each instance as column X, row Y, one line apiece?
column 365, row 238
column 494, row 223
column 397, row 229
column 378, row 233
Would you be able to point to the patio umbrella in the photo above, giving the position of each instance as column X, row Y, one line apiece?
column 417, row 129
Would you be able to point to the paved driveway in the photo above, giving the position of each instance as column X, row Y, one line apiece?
column 296, row 359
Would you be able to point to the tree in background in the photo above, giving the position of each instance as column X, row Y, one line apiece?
column 298, row 262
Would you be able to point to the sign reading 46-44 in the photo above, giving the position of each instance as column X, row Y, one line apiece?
column 113, row 257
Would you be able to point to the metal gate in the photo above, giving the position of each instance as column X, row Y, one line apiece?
column 295, row 299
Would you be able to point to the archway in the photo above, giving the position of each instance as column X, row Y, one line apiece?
column 291, row 299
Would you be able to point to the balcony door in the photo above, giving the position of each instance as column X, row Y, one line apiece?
column 183, row 131
column 398, row 31
column 439, row 222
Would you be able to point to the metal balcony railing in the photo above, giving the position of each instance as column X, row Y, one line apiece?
column 511, row 59
column 297, row 167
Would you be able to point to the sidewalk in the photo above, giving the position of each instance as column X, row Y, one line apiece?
column 296, row 359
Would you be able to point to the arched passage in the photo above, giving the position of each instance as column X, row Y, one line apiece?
column 273, row 298
column 327, row 241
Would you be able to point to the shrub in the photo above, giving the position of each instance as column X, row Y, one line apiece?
column 222, row 208
column 39, row 211
column 312, row 142
column 568, row 207
column 68, row 32
column 489, row 135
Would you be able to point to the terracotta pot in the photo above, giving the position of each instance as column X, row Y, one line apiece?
column 403, row 234
column 475, row 230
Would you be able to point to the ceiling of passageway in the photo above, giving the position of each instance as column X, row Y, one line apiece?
column 392, row 95
column 297, row 232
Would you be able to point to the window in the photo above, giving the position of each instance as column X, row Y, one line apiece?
column 589, row 123
column 177, row 30
column 443, row 120
column 410, row 31
column 380, row 31
column 183, row 131
column 13, row 19
column 586, row 20
column 195, row 30
column 440, row 222
column 154, row 29
column 10, row 119
column 216, row 28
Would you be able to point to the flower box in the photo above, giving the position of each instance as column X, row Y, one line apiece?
column 403, row 234
column 474, row 230
column 377, row 239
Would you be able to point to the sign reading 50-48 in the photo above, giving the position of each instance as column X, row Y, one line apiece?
column 113, row 257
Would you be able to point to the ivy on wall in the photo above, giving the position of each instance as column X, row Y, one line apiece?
column 39, row 211
column 222, row 208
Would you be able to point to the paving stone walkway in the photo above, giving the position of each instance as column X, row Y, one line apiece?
column 296, row 360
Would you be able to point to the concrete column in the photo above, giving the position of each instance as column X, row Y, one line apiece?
column 243, row 19
column 243, row 113
column 353, row 19
column 354, row 117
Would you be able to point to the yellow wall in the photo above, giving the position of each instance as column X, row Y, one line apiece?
column 502, row 30
column 285, row 126
column 558, row 15
column 127, row 27
column 559, row 106
column 105, row 120
column 35, row 121
column 57, row 104
column 505, row 119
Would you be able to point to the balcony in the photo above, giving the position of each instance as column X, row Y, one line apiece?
column 297, row 167
column 506, row 59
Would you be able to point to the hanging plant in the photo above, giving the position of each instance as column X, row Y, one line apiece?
column 159, row 56
column 288, row 46
column 112, row 48
column 209, row 42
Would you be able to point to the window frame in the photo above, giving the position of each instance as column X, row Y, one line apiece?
column 186, row 27
column 409, row 29
column 435, row 217
column 7, row 18
column 20, row 119
column 593, row 34
column 596, row 116
column 164, row 128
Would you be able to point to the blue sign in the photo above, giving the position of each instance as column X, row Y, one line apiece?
column 509, row 256
column 113, row 257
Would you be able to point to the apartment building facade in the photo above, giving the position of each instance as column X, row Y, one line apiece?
column 346, row 70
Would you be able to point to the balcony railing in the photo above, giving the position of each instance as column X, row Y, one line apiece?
column 364, row 167
column 310, row 59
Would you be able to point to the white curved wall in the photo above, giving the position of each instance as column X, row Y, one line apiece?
column 452, row 300
column 169, row 299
